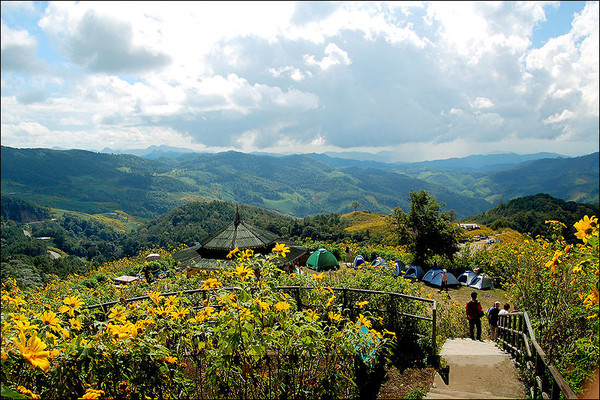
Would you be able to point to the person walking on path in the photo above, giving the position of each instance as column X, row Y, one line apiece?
column 505, row 309
column 474, row 314
column 493, row 319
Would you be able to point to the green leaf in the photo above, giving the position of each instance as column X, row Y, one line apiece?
column 11, row 394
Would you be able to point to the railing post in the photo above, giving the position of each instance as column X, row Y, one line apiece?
column 298, row 300
column 522, row 340
column 433, row 326
column 555, row 391
column 513, row 336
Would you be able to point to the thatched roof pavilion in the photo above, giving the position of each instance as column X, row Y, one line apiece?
column 213, row 248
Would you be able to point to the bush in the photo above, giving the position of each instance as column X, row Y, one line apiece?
column 251, row 342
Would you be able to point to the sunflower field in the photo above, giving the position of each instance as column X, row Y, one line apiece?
column 235, row 337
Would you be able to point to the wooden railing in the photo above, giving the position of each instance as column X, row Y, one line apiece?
column 516, row 336
column 347, row 302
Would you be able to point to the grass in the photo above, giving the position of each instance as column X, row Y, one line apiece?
column 361, row 221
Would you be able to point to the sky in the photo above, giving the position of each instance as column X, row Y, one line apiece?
column 404, row 81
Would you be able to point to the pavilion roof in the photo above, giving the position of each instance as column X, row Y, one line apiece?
column 238, row 234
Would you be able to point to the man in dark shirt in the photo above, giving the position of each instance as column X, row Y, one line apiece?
column 493, row 319
column 474, row 314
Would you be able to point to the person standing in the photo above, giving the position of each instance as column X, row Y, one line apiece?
column 444, row 281
column 474, row 314
column 493, row 319
column 505, row 309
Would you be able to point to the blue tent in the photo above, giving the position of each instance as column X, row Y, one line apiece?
column 466, row 278
column 414, row 272
column 436, row 280
column 379, row 262
column 399, row 267
column 430, row 274
column 358, row 260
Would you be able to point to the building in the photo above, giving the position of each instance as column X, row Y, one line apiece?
column 469, row 226
column 211, row 251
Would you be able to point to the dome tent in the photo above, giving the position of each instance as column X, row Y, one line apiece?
column 466, row 277
column 430, row 274
column 379, row 262
column 482, row 281
column 414, row 272
column 436, row 279
column 322, row 260
column 398, row 268
column 358, row 260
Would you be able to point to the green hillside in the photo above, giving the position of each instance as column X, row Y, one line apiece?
column 20, row 210
column 570, row 179
column 89, row 182
column 528, row 214
column 296, row 185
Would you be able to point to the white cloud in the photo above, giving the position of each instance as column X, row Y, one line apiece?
column 289, row 71
column 308, row 75
column 333, row 56
column 563, row 116
column 18, row 50
column 481, row 103
column 318, row 141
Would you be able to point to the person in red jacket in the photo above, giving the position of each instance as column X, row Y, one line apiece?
column 474, row 314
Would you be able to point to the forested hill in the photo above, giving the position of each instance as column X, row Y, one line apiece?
column 296, row 185
column 23, row 211
column 529, row 214
column 574, row 179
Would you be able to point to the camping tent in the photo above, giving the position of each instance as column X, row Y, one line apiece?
column 466, row 277
column 482, row 281
column 379, row 262
column 322, row 260
column 399, row 268
column 414, row 272
column 436, row 280
column 430, row 274
column 358, row 260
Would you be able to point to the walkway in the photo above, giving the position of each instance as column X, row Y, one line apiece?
column 478, row 370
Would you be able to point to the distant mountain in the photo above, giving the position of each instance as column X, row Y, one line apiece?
column 338, row 162
column 472, row 164
column 300, row 185
column 574, row 179
column 480, row 163
column 89, row 182
column 153, row 152
column 296, row 185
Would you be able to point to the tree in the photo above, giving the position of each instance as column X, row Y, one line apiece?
column 425, row 230
column 355, row 204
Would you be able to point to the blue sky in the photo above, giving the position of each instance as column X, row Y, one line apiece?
column 404, row 81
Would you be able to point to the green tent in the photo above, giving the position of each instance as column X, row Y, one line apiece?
column 322, row 260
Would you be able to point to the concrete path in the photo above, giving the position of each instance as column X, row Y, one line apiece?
column 478, row 370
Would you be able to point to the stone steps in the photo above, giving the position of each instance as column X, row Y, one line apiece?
column 444, row 392
column 478, row 370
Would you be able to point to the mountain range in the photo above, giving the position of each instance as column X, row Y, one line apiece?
column 298, row 185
